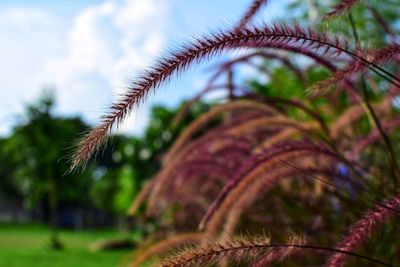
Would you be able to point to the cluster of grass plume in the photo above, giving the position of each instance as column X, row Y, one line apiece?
column 260, row 162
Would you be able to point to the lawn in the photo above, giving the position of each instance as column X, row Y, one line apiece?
column 27, row 246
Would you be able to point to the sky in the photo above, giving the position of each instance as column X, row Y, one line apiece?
column 87, row 51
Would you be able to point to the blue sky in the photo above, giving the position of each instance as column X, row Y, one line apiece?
column 88, row 50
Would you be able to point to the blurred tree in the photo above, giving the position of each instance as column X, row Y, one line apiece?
column 11, row 188
column 35, row 148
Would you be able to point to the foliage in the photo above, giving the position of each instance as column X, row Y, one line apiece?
column 34, row 150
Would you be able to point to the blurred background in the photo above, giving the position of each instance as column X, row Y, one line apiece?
column 62, row 64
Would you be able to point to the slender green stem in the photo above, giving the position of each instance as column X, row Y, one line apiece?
column 391, row 154
column 354, row 29
column 392, row 157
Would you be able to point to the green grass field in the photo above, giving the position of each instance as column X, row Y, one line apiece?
column 28, row 246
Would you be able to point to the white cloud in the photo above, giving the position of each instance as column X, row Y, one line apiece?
column 28, row 41
column 88, row 59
